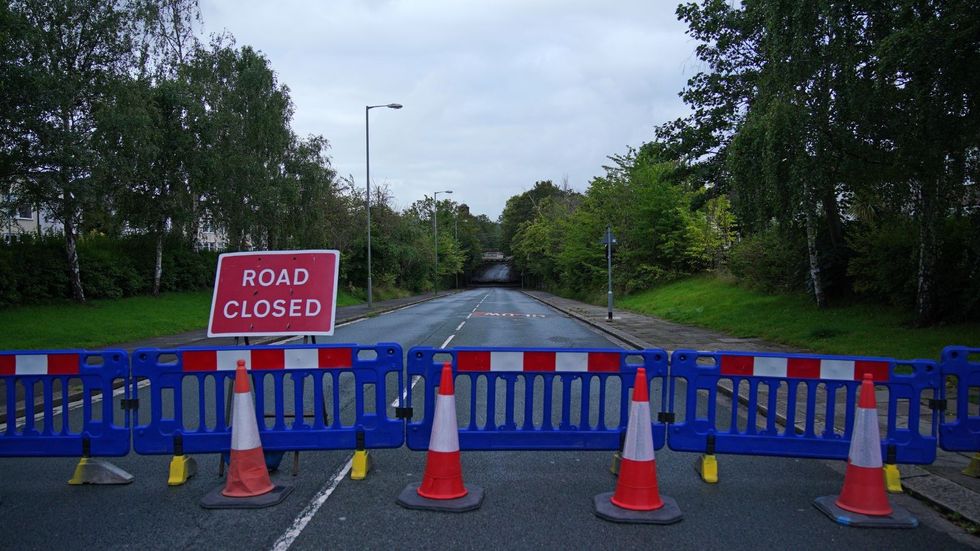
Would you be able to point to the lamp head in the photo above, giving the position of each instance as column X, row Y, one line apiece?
column 394, row 106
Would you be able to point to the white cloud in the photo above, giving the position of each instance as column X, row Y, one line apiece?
column 497, row 94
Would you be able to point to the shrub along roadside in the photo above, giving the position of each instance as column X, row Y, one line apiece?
column 34, row 270
column 862, row 329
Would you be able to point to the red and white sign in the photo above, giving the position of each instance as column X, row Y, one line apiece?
column 275, row 293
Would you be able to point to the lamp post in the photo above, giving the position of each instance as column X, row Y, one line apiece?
column 609, row 241
column 435, row 237
column 367, row 162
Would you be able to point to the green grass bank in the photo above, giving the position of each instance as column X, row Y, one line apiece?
column 104, row 322
column 862, row 329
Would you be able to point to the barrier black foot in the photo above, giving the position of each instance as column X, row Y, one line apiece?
column 410, row 499
column 668, row 514
column 900, row 517
column 216, row 500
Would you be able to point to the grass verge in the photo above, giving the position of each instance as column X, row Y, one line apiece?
column 104, row 322
column 861, row 329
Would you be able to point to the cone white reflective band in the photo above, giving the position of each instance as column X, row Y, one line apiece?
column 770, row 367
column 244, row 428
column 571, row 361
column 228, row 359
column 865, row 441
column 506, row 361
column 445, row 433
column 638, row 445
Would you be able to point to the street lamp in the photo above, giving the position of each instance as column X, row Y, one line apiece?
column 367, row 162
column 435, row 236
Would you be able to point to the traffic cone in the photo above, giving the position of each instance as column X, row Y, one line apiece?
column 863, row 501
column 247, row 485
column 637, row 497
column 442, row 486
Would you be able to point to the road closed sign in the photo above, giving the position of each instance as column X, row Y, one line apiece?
column 275, row 293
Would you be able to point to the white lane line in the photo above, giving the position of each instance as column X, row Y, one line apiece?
column 460, row 326
column 307, row 514
column 470, row 315
column 447, row 341
column 311, row 509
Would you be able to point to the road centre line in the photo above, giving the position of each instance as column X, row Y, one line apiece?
column 311, row 509
column 460, row 326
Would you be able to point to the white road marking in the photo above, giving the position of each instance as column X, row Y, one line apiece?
column 307, row 514
column 460, row 326
column 470, row 315
column 311, row 509
column 447, row 341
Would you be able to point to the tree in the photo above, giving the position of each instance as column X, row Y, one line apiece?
column 66, row 56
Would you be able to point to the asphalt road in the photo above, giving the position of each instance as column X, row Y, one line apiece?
column 534, row 499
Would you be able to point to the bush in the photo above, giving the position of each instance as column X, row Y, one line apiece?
column 770, row 261
column 883, row 266
column 34, row 270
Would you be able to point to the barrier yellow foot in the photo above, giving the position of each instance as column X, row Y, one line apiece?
column 614, row 467
column 361, row 464
column 182, row 467
column 973, row 469
column 97, row 471
column 707, row 468
column 893, row 480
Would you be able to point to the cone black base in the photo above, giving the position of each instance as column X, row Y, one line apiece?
column 216, row 500
column 668, row 514
column 410, row 499
column 900, row 517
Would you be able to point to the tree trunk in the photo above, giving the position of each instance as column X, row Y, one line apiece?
column 811, row 246
column 74, row 272
column 925, row 304
column 158, row 260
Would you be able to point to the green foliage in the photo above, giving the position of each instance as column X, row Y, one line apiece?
column 859, row 328
column 819, row 117
column 769, row 261
column 34, row 270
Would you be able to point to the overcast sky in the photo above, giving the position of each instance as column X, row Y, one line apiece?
column 497, row 94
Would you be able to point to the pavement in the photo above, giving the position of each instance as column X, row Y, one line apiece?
column 941, row 483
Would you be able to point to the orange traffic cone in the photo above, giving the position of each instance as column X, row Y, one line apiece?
column 248, row 485
column 637, row 498
column 863, row 501
column 442, row 486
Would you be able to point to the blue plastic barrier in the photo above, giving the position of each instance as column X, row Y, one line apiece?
column 909, row 384
column 64, row 376
column 504, row 418
column 189, row 397
column 963, row 432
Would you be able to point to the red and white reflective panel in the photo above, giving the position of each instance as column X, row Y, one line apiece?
column 487, row 360
column 803, row 368
column 39, row 364
column 271, row 359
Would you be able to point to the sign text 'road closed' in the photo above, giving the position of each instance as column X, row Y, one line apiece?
column 275, row 293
